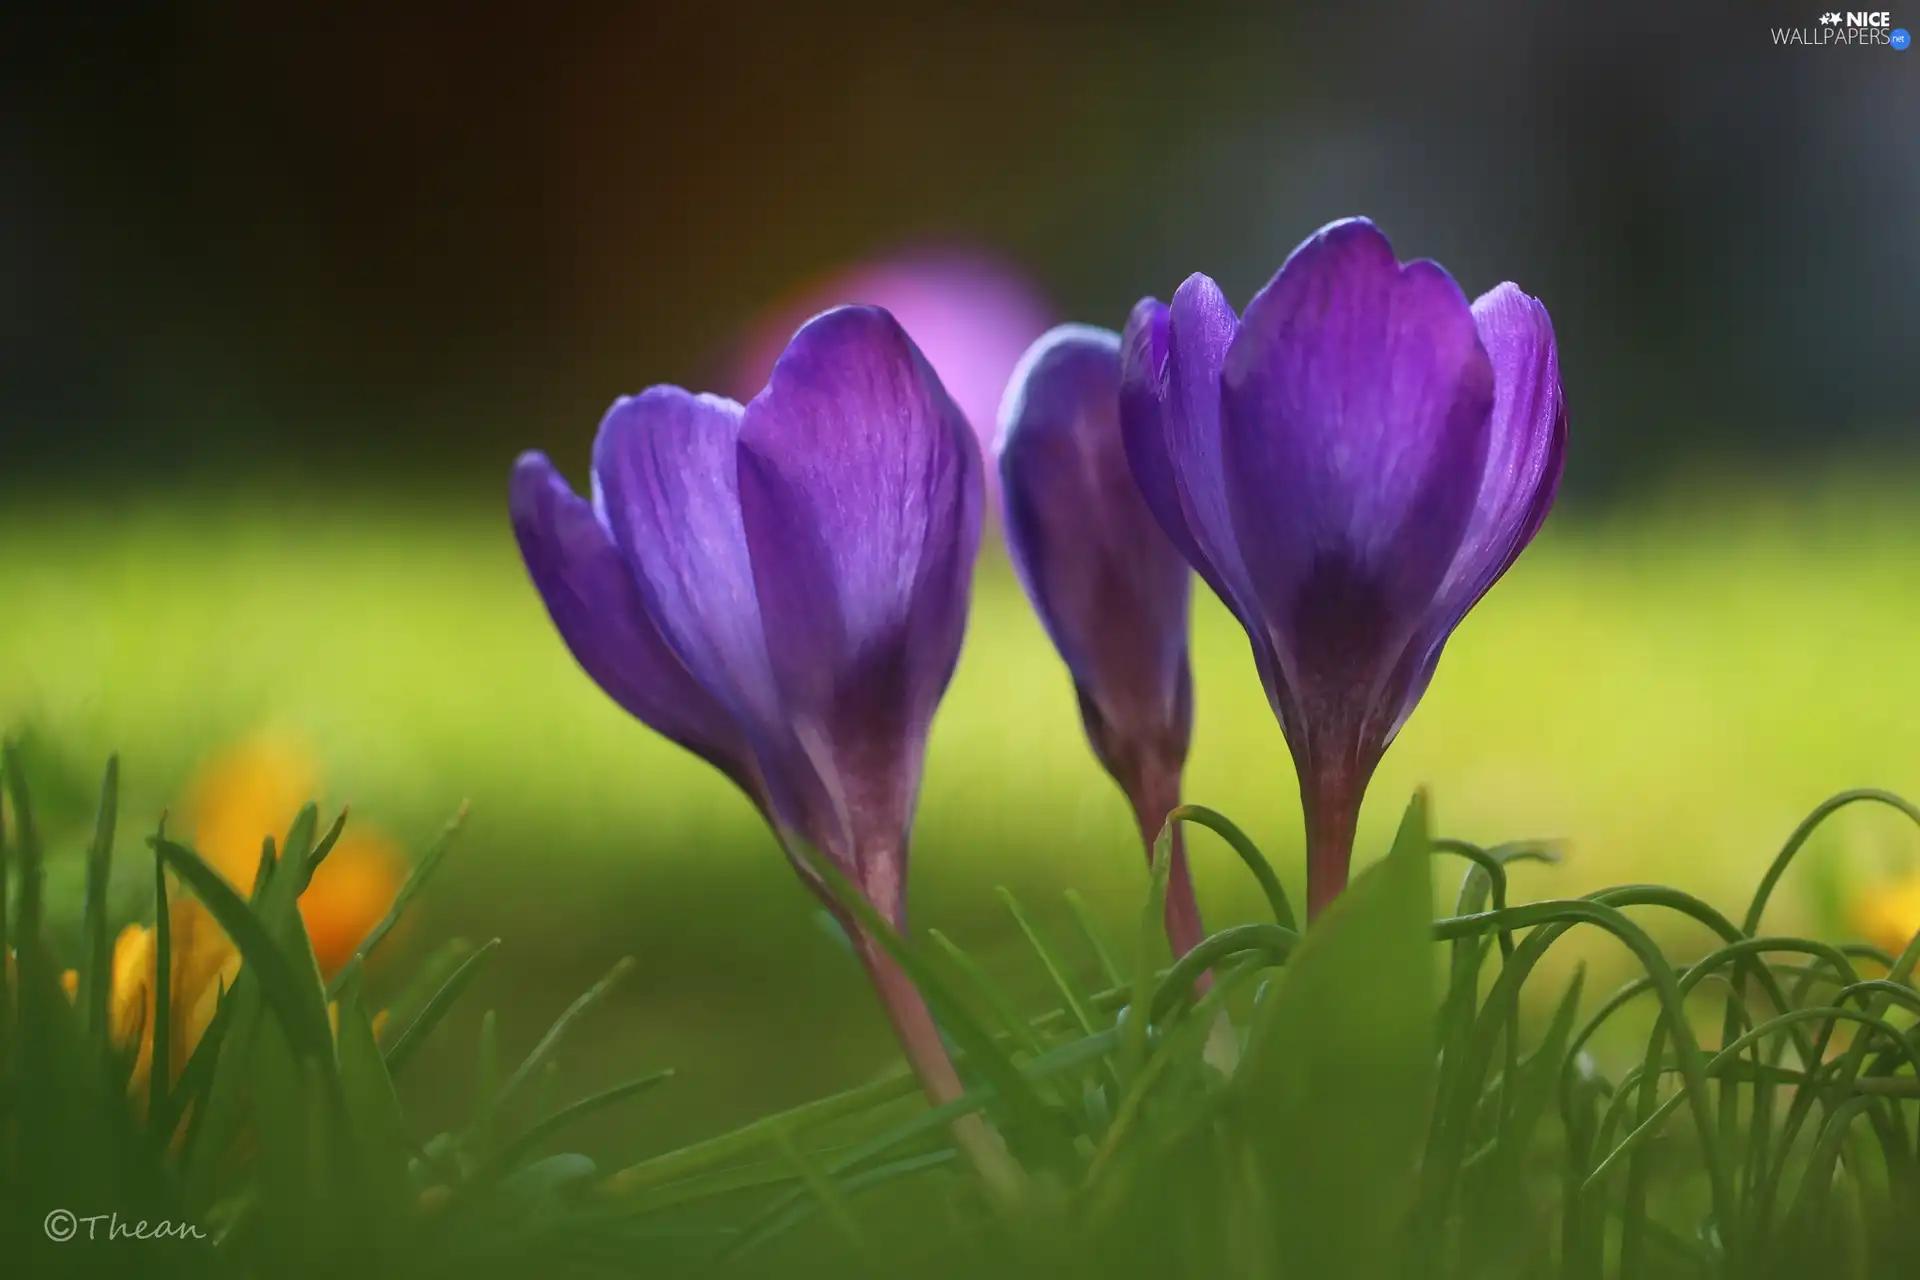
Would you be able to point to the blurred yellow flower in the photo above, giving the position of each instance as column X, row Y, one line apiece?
column 1890, row 916
column 238, row 800
column 254, row 791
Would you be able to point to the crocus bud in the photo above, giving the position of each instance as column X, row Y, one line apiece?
column 1109, row 587
column 782, row 588
column 1350, row 466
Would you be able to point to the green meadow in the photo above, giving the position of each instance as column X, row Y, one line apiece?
column 1665, row 689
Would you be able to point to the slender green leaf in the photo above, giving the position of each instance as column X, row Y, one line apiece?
column 380, row 1145
column 1072, row 994
column 96, row 972
column 1039, row 1126
column 1249, row 852
column 160, row 1066
column 998, row 1002
column 296, row 1005
column 437, row 1007
column 196, row 1077
column 829, row 1199
column 1334, row 1090
column 549, row 1042
column 1096, row 940
column 540, row 1131
column 422, row 870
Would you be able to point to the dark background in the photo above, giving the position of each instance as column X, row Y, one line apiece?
column 400, row 242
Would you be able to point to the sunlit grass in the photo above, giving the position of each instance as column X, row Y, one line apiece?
column 1668, row 690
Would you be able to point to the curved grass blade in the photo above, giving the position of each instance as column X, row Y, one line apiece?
column 1238, row 841
column 1802, row 833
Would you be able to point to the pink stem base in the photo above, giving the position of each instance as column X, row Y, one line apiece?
column 926, row 1054
column 1155, row 798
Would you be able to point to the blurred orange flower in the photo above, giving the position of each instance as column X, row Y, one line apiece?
column 238, row 800
column 254, row 791
column 1890, row 916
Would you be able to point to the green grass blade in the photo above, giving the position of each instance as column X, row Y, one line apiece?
column 540, row 1131
column 422, row 870
column 1757, row 909
column 1016, row 1027
column 1072, row 994
column 296, row 851
column 549, row 1042
column 328, row 840
column 1050, row 1142
column 832, row 1203
column 1090, row 929
column 196, row 1077
column 865, row 1180
column 1240, row 843
column 160, row 1068
column 96, row 971
column 296, row 1005
column 700, row 1157
column 30, row 869
column 1334, row 1090
column 379, row 1133
column 437, row 1007
column 1067, row 1059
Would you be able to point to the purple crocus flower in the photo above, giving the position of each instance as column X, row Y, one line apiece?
column 781, row 587
column 1109, row 587
column 1350, row 466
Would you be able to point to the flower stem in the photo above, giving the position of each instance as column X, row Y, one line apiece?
column 919, row 1038
column 1332, row 805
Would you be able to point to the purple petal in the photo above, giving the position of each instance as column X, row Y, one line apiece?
column 861, row 495
column 1200, row 331
column 1355, row 404
column 663, row 471
column 1143, row 429
column 1107, row 583
column 1526, row 453
column 590, row 593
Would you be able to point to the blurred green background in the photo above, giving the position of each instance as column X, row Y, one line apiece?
column 281, row 297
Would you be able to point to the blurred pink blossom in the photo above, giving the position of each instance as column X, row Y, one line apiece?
column 970, row 312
